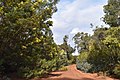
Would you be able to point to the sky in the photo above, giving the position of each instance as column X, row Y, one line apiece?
column 76, row 16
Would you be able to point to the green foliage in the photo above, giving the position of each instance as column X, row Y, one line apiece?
column 82, row 63
column 67, row 48
column 63, row 69
column 81, row 41
column 42, row 68
column 73, row 60
column 117, row 70
column 27, row 46
column 111, row 13
column 103, row 52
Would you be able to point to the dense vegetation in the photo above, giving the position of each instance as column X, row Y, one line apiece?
column 27, row 47
column 101, row 51
column 26, row 43
column 112, row 11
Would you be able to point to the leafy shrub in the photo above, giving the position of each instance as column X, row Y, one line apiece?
column 117, row 71
column 82, row 63
column 104, row 53
column 84, row 66
column 27, row 45
column 63, row 68
column 42, row 67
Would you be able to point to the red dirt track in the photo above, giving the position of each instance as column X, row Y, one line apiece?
column 73, row 74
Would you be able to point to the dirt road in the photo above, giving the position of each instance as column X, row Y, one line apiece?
column 73, row 74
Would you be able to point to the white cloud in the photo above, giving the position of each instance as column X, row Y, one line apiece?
column 75, row 30
column 76, row 15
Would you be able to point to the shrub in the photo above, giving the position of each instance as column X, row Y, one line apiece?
column 63, row 68
column 117, row 71
column 82, row 63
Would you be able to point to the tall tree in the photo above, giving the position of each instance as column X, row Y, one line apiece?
column 104, row 52
column 66, row 47
column 112, row 13
column 25, row 35
column 81, row 41
column 65, row 39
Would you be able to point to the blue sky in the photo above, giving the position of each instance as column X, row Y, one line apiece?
column 75, row 16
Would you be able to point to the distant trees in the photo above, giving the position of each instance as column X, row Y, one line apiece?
column 103, row 47
column 66, row 47
column 102, row 52
column 81, row 41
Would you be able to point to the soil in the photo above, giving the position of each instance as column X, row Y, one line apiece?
column 73, row 74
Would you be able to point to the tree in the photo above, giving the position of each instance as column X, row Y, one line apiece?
column 25, row 36
column 104, row 52
column 65, row 39
column 81, row 41
column 112, row 12
column 103, row 47
column 67, row 48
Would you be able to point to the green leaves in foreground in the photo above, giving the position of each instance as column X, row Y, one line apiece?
column 26, row 43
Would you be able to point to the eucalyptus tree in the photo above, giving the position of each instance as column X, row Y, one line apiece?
column 81, row 41
column 67, row 47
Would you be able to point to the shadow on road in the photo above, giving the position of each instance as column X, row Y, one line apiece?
column 86, row 79
column 54, row 75
column 65, row 78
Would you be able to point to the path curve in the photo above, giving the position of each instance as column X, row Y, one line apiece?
column 73, row 74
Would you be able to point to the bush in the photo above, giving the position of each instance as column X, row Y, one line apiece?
column 117, row 71
column 82, row 63
column 27, row 45
column 104, row 53
column 42, row 67
column 63, row 68
column 84, row 66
